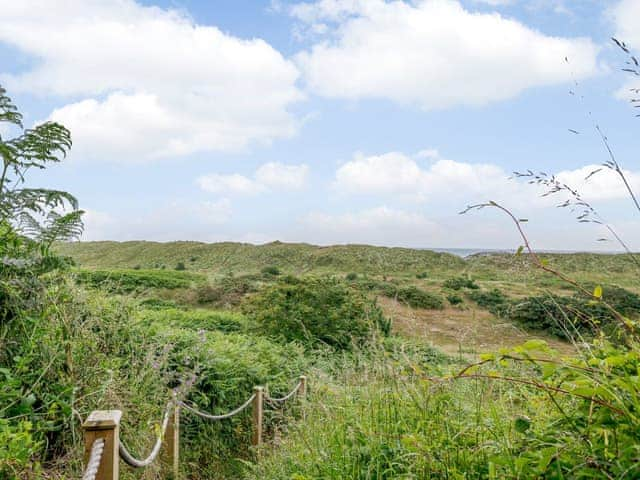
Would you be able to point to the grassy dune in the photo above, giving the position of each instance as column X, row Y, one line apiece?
column 245, row 258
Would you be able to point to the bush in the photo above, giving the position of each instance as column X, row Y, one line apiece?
column 351, row 276
column 564, row 316
column 454, row 299
column 209, row 320
column 413, row 296
column 456, row 283
column 180, row 266
column 137, row 280
column 493, row 300
column 315, row 311
column 270, row 271
column 228, row 291
column 421, row 275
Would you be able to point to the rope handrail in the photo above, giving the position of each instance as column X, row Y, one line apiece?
column 286, row 397
column 209, row 416
column 134, row 462
column 95, row 457
column 104, row 449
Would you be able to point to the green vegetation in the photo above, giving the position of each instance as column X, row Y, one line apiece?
column 316, row 311
column 223, row 258
column 103, row 325
column 493, row 300
column 458, row 283
column 413, row 296
column 137, row 280
column 271, row 270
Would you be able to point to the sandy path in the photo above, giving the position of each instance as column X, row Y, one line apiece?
column 468, row 331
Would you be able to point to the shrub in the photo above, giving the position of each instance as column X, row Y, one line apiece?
column 157, row 303
column 137, row 267
column 456, row 283
column 315, row 311
column 454, row 299
column 270, row 271
column 227, row 291
column 180, row 266
column 421, row 275
column 493, row 300
column 413, row 296
column 137, row 280
column 351, row 276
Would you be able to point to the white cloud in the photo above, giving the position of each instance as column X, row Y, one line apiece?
column 278, row 175
column 270, row 176
column 401, row 175
column 145, row 82
column 432, row 53
column 233, row 184
column 625, row 15
column 604, row 185
column 458, row 183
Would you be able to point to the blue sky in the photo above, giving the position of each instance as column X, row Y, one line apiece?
column 336, row 121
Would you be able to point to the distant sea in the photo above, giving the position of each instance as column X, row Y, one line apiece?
column 465, row 252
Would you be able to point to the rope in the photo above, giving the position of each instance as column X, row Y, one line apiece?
column 208, row 416
column 287, row 396
column 95, row 457
column 134, row 462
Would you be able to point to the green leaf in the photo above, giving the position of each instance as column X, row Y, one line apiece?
column 522, row 424
column 519, row 251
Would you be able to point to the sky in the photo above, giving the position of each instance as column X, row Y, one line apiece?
column 331, row 121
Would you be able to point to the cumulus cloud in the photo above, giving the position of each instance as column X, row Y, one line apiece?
column 432, row 53
column 440, row 180
column 625, row 16
column 270, row 176
column 145, row 82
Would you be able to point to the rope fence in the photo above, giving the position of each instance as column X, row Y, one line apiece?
column 95, row 457
column 134, row 462
column 224, row 416
column 104, row 449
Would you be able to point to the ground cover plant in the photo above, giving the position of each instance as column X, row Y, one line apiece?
column 127, row 281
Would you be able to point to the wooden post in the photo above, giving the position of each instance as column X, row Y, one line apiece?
column 171, row 455
column 104, row 424
column 257, row 416
column 302, row 392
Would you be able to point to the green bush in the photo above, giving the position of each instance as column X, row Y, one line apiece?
column 180, row 266
column 421, row 275
column 270, row 271
column 227, row 291
column 315, row 311
column 493, row 300
column 351, row 276
column 454, row 299
column 413, row 296
column 137, row 280
column 209, row 320
column 566, row 316
column 456, row 283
